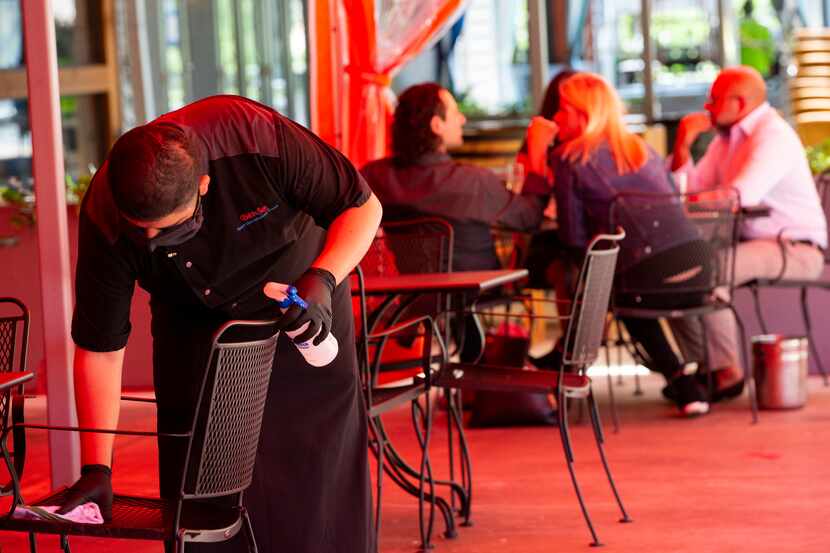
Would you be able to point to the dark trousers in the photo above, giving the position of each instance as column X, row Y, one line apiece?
column 653, row 292
column 310, row 491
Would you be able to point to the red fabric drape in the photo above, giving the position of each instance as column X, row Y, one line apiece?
column 374, row 46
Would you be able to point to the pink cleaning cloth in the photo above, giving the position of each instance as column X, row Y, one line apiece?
column 88, row 513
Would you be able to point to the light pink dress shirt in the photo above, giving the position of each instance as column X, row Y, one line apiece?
column 763, row 158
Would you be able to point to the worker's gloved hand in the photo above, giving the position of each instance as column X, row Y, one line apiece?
column 95, row 484
column 315, row 287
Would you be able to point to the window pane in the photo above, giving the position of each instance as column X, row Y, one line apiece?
column 490, row 60
column 11, row 45
column 81, row 139
column 173, row 55
column 72, row 33
column 226, row 42
column 252, row 47
column 686, row 43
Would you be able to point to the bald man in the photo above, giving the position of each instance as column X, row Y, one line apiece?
column 756, row 152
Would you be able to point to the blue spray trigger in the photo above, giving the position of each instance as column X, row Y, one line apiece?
column 292, row 299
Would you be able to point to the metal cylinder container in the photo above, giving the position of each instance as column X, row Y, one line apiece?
column 780, row 364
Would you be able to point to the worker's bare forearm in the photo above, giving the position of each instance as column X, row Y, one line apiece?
column 349, row 236
column 97, row 397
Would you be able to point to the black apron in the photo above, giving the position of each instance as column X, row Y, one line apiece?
column 310, row 490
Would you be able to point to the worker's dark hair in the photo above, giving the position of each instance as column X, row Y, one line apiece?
column 153, row 171
column 412, row 136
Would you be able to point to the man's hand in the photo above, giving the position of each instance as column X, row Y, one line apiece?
column 689, row 128
column 693, row 125
column 540, row 134
column 95, row 484
column 315, row 287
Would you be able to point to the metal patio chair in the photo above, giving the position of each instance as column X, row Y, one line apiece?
column 803, row 286
column 222, row 444
column 584, row 336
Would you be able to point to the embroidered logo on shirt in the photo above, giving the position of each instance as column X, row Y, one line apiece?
column 250, row 217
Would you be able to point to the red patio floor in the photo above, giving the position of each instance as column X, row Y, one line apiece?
column 714, row 484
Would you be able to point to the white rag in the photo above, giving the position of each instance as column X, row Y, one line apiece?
column 87, row 513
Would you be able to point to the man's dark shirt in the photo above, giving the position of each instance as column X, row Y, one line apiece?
column 586, row 191
column 274, row 188
column 471, row 198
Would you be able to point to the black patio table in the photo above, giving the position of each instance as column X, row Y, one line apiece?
column 458, row 288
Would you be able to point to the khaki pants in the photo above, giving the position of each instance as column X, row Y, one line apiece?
column 753, row 259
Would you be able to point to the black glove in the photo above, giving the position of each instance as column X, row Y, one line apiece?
column 95, row 484
column 315, row 287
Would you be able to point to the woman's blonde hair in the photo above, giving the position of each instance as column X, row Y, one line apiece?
column 592, row 96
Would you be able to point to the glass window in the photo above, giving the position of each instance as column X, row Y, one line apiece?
column 685, row 39
column 489, row 65
column 82, row 131
column 173, row 54
column 256, row 48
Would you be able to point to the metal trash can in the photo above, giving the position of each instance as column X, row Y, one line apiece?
column 780, row 364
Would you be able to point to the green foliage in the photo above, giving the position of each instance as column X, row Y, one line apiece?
column 75, row 189
column 468, row 106
column 24, row 215
column 819, row 157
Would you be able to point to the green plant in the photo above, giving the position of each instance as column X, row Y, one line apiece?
column 75, row 189
column 819, row 157
column 15, row 195
column 12, row 194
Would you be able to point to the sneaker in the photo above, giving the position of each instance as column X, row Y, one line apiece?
column 695, row 409
column 689, row 396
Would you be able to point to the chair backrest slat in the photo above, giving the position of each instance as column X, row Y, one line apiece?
column 229, row 418
column 412, row 246
column 590, row 304
column 704, row 225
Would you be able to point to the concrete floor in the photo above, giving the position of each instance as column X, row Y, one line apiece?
column 714, row 484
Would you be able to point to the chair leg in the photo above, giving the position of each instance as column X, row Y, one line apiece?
column 32, row 542
column 400, row 472
column 65, row 543
column 465, row 463
column 600, row 439
column 425, row 417
column 749, row 373
column 710, row 374
column 611, row 400
column 564, row 433
column 756, row 301
column 805, row 312
column 619, row 344
column 249, row 532
column 638, row 388
column 380, row 457
column 179, row 546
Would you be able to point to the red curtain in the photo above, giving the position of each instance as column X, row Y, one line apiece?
column 366, row 43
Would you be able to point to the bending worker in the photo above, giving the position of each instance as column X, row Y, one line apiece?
column 202, row 207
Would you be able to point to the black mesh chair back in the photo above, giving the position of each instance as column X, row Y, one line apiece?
column 586, row 328
column 14, row 334
column 226, row 432
column 14, row 348
column 704, row 225
column 413, row 246
column 420, row 245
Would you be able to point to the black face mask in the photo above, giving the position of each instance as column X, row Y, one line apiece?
column 170, row 236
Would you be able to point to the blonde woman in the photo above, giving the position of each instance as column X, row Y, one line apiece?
column 596, row 160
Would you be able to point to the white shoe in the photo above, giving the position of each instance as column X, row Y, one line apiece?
column 695, row 409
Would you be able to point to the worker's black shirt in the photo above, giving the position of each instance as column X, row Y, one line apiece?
column 274, row 188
